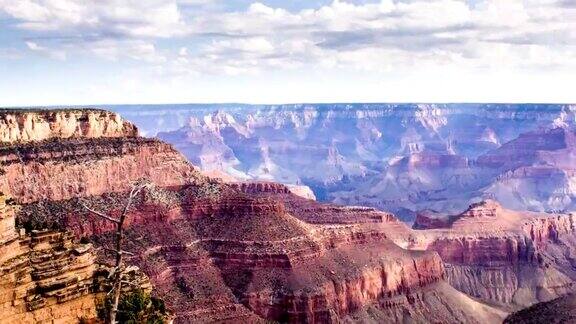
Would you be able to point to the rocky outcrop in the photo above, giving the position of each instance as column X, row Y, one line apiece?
column 337, row 292
column 550, row 229
column 45, row 276
column 429, row 219
column 528, row 148
column 21, row 126
column 302, row 191
column 486, row 208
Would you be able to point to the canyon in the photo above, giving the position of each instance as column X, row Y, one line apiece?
column 217, row 249
column 402, row 158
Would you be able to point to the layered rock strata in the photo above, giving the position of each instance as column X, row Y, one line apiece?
column 216, row 254
column 45, row 276
column 507, row 257
column 62, row 169
column 230, row 255
column 219, row 252
column 21, row 126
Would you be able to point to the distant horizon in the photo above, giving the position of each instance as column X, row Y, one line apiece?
column 103, row 106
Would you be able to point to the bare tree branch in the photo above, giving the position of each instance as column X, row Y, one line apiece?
column 116, row 272
column 99, row 214
column 116, row 251
column 131, row 283
column 113, row 272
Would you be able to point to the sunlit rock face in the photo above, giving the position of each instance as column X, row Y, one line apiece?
column 63, row 153
column 33, row 125
column 396, row 157
column 45, row 276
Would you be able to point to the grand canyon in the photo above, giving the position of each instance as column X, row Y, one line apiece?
column 287, row 161
column 300, row 213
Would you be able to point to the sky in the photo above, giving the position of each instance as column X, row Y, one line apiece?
column 79, row 52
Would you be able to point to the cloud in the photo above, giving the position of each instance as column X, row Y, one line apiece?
column 407, row 34
column 146, row 18
column 367, row 36
column 52, row 53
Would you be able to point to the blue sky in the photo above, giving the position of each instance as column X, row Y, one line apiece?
column 74, row 52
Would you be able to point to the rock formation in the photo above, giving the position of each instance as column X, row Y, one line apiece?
column 45, row 276
column 21, row 126
column 249, row 257
column 62, row 169
column 503, row 256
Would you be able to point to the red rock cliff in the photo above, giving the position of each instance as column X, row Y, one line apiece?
column 515, row 258
column 64, row 169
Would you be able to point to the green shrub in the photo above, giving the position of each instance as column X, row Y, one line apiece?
column 136, row 307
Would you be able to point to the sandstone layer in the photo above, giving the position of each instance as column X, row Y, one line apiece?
column 45, row 277
column 21, row 126
column 62, row 169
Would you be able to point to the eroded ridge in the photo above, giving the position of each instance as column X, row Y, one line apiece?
column 504, row 256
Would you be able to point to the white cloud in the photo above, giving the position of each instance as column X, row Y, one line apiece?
column 52, row 53
column 400, row 34
column 139, row 18
column 133, row 49
column 376, row 37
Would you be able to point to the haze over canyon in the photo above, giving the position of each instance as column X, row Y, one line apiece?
column 402, row 158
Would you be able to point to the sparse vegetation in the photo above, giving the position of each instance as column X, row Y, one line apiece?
column 42, row 215
column 162, row 196
column 202, row 190
column 135, row 307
